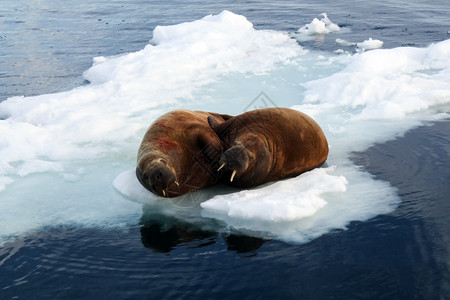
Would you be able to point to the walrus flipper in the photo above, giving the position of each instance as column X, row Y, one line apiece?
column 219, row 128
column 217, row 116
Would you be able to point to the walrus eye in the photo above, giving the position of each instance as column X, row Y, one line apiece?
column 251, row 156
column 163, row 161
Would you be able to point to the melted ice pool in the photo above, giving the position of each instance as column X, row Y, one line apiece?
column 69, row 158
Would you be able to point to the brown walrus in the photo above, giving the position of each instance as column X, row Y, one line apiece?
column 269, row 144
column 179, row 153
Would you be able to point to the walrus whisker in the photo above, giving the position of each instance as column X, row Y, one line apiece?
column 221, row 166
column 176, row 182
column 164, row 192
column 232, row 175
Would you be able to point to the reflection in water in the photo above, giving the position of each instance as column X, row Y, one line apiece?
column 164, row 237
column 163, row 234
column 243, row 243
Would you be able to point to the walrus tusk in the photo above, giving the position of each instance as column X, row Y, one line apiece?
column 164, row 193
column 221, row 166
column 232, row 175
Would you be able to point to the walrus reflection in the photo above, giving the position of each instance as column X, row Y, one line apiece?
column 161, row 238
column 243, row 243
column 165, row 234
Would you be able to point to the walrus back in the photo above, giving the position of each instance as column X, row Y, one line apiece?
column 305, row 141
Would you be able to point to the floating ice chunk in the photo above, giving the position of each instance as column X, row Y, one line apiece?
column 323, row 26
column 281, row 201
column 99, row 60
column 96, row 129
column 345, row 43
column 387, row 83
column 369, row 44
column 212, row 26
column 317, row 27
column 216, row 43
column 330, row 25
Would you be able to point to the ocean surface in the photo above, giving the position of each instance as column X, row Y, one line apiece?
column 81, row 82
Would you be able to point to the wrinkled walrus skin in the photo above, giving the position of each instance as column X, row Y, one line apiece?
column 179, row 153
column 269, row 144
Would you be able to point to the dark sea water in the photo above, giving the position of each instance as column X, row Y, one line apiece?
column 44, row 48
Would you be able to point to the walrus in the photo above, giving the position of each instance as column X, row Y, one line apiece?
column 179, row 152
column 269, row 144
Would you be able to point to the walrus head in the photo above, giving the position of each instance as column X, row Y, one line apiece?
column 237, row 160
column 157, row 177
column 243, row 147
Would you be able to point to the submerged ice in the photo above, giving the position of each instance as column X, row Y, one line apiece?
column 68, row 158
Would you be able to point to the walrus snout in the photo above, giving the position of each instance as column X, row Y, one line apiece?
column 157, row 179
column 237, row 160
